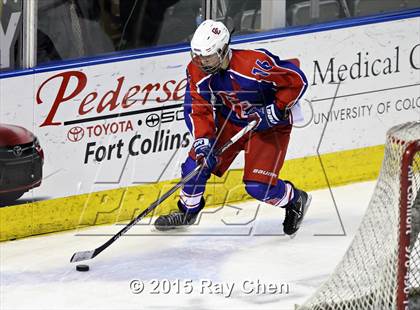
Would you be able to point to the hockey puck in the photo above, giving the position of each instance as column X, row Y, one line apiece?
column 82, row 268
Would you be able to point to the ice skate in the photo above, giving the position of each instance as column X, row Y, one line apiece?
column 174, row 220
column 295, row 212
column 177, row 219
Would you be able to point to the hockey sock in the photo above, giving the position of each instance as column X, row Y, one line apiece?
column 278, row 195
column 190, row 198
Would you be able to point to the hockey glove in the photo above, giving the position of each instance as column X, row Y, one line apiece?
column 203, row 148
column 268, row 116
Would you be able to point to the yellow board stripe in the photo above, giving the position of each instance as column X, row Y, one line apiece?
column 118, row 205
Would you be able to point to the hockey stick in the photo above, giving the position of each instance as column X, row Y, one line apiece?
column 85, row 255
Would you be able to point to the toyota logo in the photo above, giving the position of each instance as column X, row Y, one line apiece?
column 75, row 134
column 17, row 151
column 152, row 120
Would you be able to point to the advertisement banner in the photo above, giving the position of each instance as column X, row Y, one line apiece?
column 121, row 123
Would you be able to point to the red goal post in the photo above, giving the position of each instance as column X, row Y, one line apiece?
column 407, row 203
column 381, row 267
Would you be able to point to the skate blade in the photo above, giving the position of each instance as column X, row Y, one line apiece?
column 178, row 229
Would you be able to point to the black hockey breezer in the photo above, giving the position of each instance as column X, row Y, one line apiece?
column 295, row 211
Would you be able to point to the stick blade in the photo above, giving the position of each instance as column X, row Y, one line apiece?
column 82, row 255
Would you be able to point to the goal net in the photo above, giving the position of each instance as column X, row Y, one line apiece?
column 381, row 268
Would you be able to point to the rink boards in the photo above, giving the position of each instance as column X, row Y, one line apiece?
column 114, row 137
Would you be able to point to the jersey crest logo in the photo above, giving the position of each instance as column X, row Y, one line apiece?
column 261, row 68
column 232, row 101
column 216, row 30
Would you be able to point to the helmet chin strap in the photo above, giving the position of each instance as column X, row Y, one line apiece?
column 226, row 60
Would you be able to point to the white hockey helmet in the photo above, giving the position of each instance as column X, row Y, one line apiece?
column 210, row 46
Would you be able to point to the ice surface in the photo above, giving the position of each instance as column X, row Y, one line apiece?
column 235, row 247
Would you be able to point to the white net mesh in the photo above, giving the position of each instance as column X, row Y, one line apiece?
column 367, row 276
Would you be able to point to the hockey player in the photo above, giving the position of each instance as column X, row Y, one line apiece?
column 245, row 85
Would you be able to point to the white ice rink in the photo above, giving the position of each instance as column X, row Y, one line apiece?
column 235, row 247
